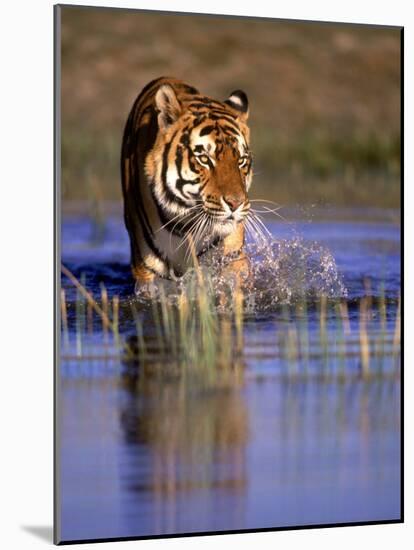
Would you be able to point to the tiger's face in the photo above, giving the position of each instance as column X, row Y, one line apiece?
column 201, row 159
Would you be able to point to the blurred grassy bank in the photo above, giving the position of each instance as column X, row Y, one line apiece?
column 325, row 99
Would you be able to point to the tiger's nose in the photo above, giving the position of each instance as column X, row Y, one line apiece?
column 233, row 201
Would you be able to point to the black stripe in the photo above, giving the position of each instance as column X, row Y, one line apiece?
column 167, row 191
column 163, row 215
column 179, row 160
column 165, row 158
column 200, row 118
column 213, row 116
column 229, row 130
column 180, row 182
column 192, row 163
column 189, row 89
column 199, row 104
column 174, row 198
column 147, row 237
column 207, row 130
column 142, row 217
column 185, row 139
column 224, row 112
column 165, row 218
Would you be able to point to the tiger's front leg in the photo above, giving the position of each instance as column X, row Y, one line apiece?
column 238, row 265
column 142, row 275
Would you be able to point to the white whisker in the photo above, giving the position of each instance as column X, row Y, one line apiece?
column 255, row 232
column 274, row 210
column 259, row 230
column 191, row 231
column 199, row 233
column 180, row 214
column 194, row 217
column 269, row 202
column 269, row 211
column 194, row 236
column 196, row 221
column 188, row 221
column 249, row 230
column 260, row 222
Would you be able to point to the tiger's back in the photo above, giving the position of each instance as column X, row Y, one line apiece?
column 186, row 170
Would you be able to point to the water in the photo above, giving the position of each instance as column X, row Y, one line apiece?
column 358, row 250
column 147, row 455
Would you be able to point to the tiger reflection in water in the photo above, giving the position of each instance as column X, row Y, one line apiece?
column 194, row 438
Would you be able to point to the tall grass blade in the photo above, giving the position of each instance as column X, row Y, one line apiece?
column 363, row 337
column 64, row 316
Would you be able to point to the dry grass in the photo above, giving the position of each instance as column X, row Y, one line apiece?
column 325, row 99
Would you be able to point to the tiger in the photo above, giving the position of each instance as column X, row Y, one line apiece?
column 186, row 169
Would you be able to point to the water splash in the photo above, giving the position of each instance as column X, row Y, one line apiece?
column 281, row 272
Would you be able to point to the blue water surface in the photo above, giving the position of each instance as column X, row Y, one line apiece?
column 144, row 456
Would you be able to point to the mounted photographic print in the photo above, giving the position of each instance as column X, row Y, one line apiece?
column 228, row 274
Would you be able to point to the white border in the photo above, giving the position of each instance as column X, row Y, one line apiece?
column 27, row 268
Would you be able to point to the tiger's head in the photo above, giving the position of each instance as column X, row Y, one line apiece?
column 201, row 161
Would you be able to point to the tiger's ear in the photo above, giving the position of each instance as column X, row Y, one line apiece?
column 238, row 101
column 167, row 106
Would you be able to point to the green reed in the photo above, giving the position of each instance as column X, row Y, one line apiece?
column 115, row 320
column 382, row 309
column 191, row 335
column 323, row 303
column 302, row 316
column 364, row 314
column 89, row 318
column 105, row 310
column 342, row 331
column 80, row 318
column 85, row 304
column 64, row 318
column 396, row 343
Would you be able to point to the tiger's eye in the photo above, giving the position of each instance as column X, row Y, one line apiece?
column 203, row 158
